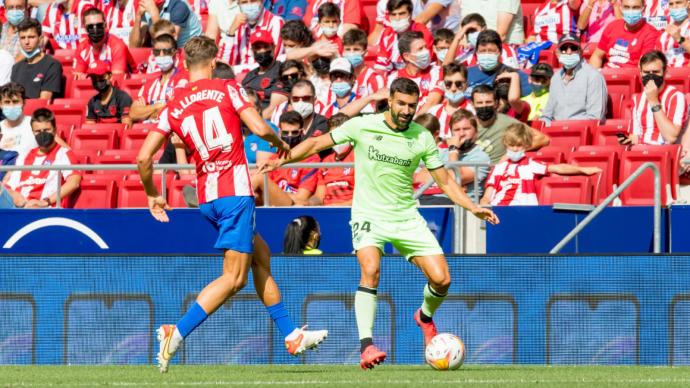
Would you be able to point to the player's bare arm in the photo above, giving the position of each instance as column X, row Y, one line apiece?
column 446, row 182
column 305, row 149
column 258, row 125
column 157, row 205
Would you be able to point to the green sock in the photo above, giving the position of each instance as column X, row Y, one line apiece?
column 432, row 300
column 365, row 311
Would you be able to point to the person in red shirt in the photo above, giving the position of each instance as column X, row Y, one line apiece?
column 99, row 46
column 400, row 13
column 37, row 189
column 624, row 41
column 335, row 186
column 329, row 23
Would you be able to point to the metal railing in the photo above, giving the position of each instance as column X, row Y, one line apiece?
column 613, row 196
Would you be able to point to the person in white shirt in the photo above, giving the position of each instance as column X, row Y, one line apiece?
column 16, row 127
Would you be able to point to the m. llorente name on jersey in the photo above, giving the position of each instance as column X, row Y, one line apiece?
column 206, row 94
column 375, row 154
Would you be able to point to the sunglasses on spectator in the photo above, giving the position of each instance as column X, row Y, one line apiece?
column 539, row 79
column 458, row 84
column 290, row 77
column 571, row 47
column 94, row 26
column 302, row 98
column 165, row 51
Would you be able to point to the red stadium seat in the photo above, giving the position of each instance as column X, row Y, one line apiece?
column 71, row 104
column 131, row 194
column 175, row 197
column 132, row 86
column 92, row 139
column 641, row 192
column 65, row 57
column 82, row 88
column 550, row 155
column 95, row 193
column 674, row 153
column 604, row 157
column 140, row 54
column 548, row 56
column 118, row 128
column 68, row 120
column 31, row 104
column 117, row 157
column 606, row 133
column 133, row 138
column 570, row 133
column 368, row 16
column 622, row 80
column 142, row 77
column 565, row 189
column 64, row 130
column 614, row 104
column 678, row 77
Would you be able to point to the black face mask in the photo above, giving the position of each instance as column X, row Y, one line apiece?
column 466, row 145
column 322, row 65
column 45, row 139
column 658, row 80
column 101, row 85
column 485, row 113
column 264, row 58
column 288, row 84
column 96, row 34
column 292, row 140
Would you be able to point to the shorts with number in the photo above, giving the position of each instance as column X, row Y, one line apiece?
column 234, row 219
column 411, row 237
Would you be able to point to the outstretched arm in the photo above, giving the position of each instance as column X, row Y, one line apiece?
column 445, row 182
column 258, row 125
column 157, row 205
column 305, row 149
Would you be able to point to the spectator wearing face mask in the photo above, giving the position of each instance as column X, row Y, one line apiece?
column 15, row 128
column 303, row 101
column 442, row 39
column 463, row 47
column 674, row 41
column 335, row 186
column 328, row 25
column 512, row 182
column 389, row 57
column 539, row 80
column 265, row 80
column 40, row 74
column 489, row 64
column 15, row 12
column 110, row 105
column 291, row 71
column 320, row 77
column 179, row 12
column 342, row 91
column 455, row 84
column 577, row 91
column 348, row 12
column 163, row 27
column 419, row 69
column 99, row 46
column 367, row 80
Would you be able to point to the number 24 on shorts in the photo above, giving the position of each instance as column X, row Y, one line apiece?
column 366, row 227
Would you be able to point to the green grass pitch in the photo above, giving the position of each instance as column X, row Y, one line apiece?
column 342, row 376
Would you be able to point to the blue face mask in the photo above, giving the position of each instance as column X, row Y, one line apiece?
column 632, row 17
column 252, row 10
column 341, row 89
column 12, row 112
column 515, row 156
column 538, row 88
column 678, row 14
column 472, row 38
column 355, row 59
column 31, row 54
column 422, row 59
column 569, row 60
column 441, row 55
column 455, row 98
column 15, row 16
column 487, row 61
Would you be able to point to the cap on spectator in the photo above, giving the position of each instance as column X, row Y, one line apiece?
column 260, row 36
column 569, row 39
column 98, row 68
column 542, row 69
column 340, row 64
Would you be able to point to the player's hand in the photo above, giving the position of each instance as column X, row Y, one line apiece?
column 283, row 149
column 652, row 92
column 486, row 215
column 269, row 165
column 157, row 207
column 590, row 170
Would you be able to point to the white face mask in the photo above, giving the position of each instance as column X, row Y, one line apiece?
column 305, row 109
column 515, row 156
column 400, row 25
column 329, row 32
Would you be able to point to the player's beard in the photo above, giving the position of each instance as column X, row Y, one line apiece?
column 401, row 121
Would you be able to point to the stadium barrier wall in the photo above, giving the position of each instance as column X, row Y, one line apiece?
column 531, row 309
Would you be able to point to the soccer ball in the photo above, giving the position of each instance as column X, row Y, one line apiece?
column 445, row 352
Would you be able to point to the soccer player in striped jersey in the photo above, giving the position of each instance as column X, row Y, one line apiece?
column 206, row 115
column 388, row 148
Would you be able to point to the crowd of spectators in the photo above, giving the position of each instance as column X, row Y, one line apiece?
column 481, row 66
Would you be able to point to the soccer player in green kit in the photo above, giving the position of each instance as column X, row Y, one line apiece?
column 388, row 148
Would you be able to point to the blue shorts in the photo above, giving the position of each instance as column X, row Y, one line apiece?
column 233, row 218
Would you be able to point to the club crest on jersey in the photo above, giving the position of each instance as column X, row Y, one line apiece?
column 347, row 171
column 294, row 173
column 39, row 77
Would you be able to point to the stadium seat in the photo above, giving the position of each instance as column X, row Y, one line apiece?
column 606, row 134
column 132, row 86
column 118, row 128
column 641, row 192
column 64, row 130
column 549, row 155
column 68, row 120
column 674, row 153
column 622, row 80
column 117, row 157
column 92, row 139
column 565, row 189
column 678, row 77
column 570, row 133
column 604, row 157
column 131, row 194
column 132, row 139
column 31, row 104
column 140, row 54
column 142, row 77
column 368, row 15
column 65, row 57
column 614, row 104
column 549, row 56
column 175, row 197
column 82, row 88
column 95, row 193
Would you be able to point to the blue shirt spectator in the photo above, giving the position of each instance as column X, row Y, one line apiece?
column 287, row 9
column 7, row 158
column 179, row 13
column 254, row 144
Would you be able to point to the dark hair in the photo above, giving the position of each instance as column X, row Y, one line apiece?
column 289, row 64
column 28, row 24
column 199, row 49
column 43, row 115
column 12, row 89
column 483, row 89
column 91, row 11
column 297, row 234
column 405, row 40
column 455, row 67
column 223, row 71
column 355, row 37
column 305, row 82
column 404, row 86
column 392, row 5
column 297, row 31
column 443, row 34
column 489, row 37
column 462, row 114
column 328, row 10
column 166, row 38
column 654, row 55
column 292, row 117
column 337, row 120
column 430, row 122
column 473, row 17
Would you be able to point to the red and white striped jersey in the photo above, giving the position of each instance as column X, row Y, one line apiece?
column 643, row 124
column 508, row 56
column 155, row 90
column 119, row 18
column 331, row 108
column 236, row 50
column 114, row 51
column 441, row 113
column 41, row 184
column 514, row 183
column 350, row 12
column 206, row 115
column 676, row 55
column 657, row 13
column 551, row 21
column 200, row 7
column 429, row 80
column 62, row 26
column 368, row 82
column 388, row 57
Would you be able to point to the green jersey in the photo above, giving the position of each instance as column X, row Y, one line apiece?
column 385, row 161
